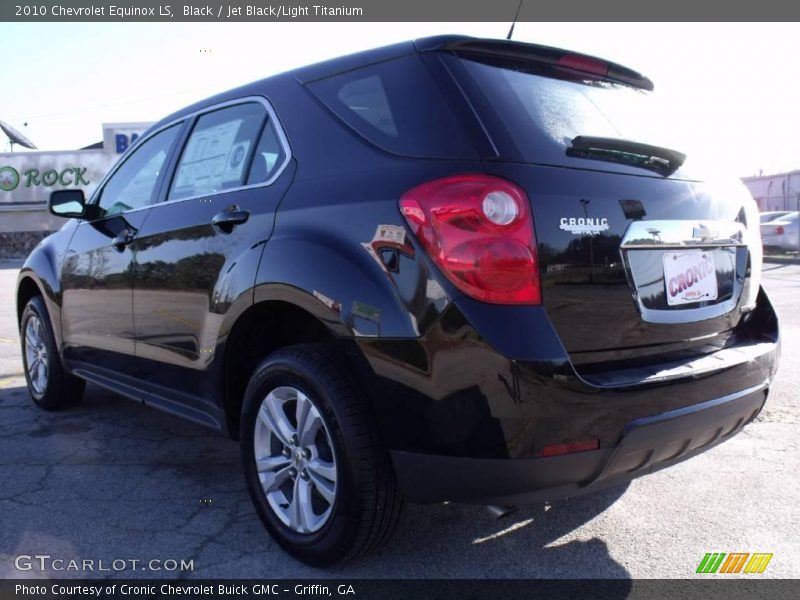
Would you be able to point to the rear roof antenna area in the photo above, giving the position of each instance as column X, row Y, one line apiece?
column 514, row 22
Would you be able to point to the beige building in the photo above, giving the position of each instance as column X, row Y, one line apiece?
column 27, row 178
column 775, row 192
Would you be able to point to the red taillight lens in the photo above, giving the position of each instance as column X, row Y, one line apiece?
column 779, row 230
column 479, row 231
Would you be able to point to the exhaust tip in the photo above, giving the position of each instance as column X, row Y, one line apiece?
column 499, row 512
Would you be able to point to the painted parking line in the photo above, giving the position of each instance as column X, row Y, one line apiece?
column 7, row 340
column 9, row 380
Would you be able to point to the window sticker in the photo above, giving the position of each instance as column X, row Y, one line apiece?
column 237, row 158
column 205, row 164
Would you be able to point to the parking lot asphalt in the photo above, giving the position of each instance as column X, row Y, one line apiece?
column 113, row 481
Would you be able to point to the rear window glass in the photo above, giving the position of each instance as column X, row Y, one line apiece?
column 397, row 106
column 544, row 108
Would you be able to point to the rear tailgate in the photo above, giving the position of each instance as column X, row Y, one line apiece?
column 637, row 256
column 634, row 263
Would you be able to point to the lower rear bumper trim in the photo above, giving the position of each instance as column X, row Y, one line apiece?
column 647, row 444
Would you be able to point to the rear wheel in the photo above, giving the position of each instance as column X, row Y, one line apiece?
column 317, row 474
column 49, row 385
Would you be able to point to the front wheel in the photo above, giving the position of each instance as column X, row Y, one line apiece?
column 49, row 385
column 317, row 474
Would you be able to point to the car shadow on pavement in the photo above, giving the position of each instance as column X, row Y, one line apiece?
column 533, row 542
column 112, row 480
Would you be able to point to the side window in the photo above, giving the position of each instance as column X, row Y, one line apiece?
column 133, row 185
column 218, row 151
column 398, row 106
column 366, row 97
column 269, row 156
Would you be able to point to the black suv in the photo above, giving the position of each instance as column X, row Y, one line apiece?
column 453, row 269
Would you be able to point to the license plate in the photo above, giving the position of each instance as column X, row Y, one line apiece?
column 689, row 277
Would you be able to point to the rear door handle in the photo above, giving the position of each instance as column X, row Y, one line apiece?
column 123, row 239
column 230, row 218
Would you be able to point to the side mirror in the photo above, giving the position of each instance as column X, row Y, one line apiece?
column 68, row 204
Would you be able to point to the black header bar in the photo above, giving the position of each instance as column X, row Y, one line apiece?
column 394, row 10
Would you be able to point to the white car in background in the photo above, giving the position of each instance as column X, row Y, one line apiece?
column 782, row 234
column 773, row 215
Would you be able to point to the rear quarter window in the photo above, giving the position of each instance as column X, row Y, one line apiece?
column 397, row 106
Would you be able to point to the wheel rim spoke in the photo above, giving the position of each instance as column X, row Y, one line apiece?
column 311, row 426
column 38, row 335
column 272, row 463
column 323, row 469
column 325, row 487
column 272, row 416
column 271, row 481
column 42, row 375
column 303, row 411
column 32, row 368
column 30, row 339
column 301, row 512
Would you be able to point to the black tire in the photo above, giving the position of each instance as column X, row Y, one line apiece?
column 367, row 504
column 62, row 389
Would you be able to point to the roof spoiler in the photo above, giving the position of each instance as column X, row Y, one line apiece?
column 581, row 63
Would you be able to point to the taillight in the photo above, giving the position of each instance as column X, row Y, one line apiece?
column 779, row 230
column 478, row 229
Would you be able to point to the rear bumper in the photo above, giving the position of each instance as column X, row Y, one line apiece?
column 465, row 417
column 647, row 444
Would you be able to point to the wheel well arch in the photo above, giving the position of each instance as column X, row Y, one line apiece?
column 259, row 331
column 26, row 290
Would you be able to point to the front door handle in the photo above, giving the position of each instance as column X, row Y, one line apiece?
column 123, row 239
column 229, row 218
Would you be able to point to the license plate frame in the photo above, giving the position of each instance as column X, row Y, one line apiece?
column 690, row 276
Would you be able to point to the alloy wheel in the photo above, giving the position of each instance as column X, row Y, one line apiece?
column 295, row 460
column 36, row 355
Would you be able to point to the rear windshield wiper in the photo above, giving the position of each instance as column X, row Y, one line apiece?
column 662, row 160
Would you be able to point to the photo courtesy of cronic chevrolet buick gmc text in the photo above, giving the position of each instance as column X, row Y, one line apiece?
column 452, row 269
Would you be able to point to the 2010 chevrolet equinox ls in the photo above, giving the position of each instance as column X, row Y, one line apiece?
column 453, row 269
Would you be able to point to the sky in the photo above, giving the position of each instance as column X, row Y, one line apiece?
column 730, row 92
